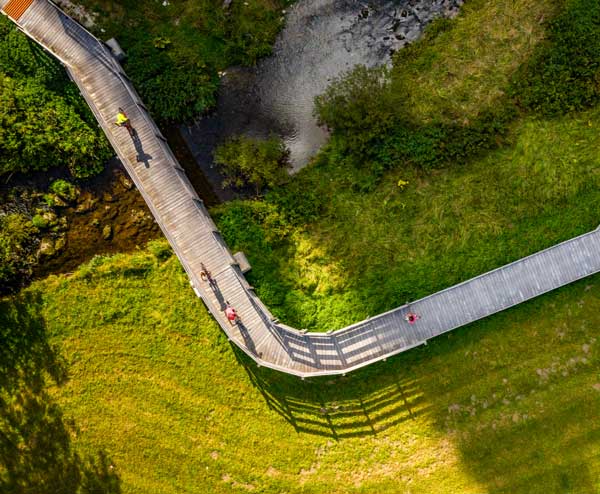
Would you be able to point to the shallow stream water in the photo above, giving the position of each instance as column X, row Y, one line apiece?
column 321, row 40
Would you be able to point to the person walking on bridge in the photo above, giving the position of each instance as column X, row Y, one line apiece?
column 231, row 314
column 412, row 318
column 123, row 121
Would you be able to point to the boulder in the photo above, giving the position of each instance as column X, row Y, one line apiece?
column 107, row 232
column 46, row 248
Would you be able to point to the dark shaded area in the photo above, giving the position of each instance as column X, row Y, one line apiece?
column 36, row 453
column 193, row 172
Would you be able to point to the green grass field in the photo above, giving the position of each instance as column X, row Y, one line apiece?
column 119, row 378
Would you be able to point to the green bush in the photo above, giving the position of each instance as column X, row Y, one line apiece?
column 64, row 189
column 39, row 221
column 175, row 87
column 370, row 120
column 437, row 143
column 564, row 73
column 246, row 161
column 160, row 249
column 40, row 130
column 17, row 235
column 360, row 106
column 44, row 122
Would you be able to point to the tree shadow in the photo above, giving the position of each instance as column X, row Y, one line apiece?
column 36, row 453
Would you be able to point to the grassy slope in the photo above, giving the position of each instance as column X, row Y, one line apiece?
column 155, row 396
column 371, row 251
column 467, row 68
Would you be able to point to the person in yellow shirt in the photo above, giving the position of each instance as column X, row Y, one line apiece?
column 123, row 121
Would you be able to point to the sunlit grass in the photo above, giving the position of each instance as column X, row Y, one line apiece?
column 370, row 252
column 458, row 74
column 505, row 405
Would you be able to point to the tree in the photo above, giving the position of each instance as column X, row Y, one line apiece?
column 40, row 130
column 246, row 161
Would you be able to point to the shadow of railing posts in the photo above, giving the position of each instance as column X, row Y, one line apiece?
column 338, row 407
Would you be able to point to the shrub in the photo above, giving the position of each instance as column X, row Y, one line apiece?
column 17, row 235
column 39, row 221
column 64, row 189
column 174, row 86
column 160, row 249
column 39, row 130
column 564, row 73
column 361, row 106
column 246, row 161
column 44, row 122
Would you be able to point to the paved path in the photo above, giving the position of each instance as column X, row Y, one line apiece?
column 195, row 239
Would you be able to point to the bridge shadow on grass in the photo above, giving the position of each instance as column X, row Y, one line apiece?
column 517, row 396
column 36, row 454
column 338, row 407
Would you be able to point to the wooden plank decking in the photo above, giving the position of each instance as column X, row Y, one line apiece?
column 195, row 239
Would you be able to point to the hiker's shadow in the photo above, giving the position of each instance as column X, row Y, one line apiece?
column 142, row 156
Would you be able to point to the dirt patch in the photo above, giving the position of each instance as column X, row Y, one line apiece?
column 110, row 216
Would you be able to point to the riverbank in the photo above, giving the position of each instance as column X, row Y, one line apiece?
column 320, row 41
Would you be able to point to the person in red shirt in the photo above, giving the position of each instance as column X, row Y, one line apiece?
column 412, row 318
column 231, row 314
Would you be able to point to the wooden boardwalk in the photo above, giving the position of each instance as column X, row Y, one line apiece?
column 195, row 239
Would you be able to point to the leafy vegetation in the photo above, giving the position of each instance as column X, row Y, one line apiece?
column 176, row 49
column 157, row 400
column 65, row 190
column 564, row 73
column 246, row 161
column 17, row 239
column 446, row 100
column 43, row 122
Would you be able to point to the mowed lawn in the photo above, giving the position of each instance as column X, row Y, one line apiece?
column 152, row 398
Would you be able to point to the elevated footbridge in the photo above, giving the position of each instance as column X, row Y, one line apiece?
column 197, row 242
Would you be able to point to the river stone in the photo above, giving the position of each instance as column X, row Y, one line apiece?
column 50, row 218
column 63, row 222
column 125, row 182
column 107, row 232
column 46, row 247
column 86, row 203
column 56, row 201
column 60, row 243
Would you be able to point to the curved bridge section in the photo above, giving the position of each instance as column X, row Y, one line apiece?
column 195, row 239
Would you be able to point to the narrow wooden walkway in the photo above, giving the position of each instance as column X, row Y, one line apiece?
column 191, row 232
